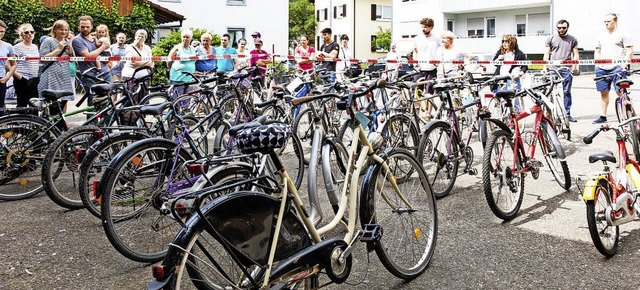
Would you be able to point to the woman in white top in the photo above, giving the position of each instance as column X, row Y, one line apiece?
column 344, row 54
column 392, row 67
column 137, row 49
column 449, row 53
column 25, row 77
column 243, row 61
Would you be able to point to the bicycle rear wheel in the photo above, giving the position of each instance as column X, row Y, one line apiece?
column 400, row 131
column 438, row 153
column 408, row 217
column 634, row 130
column 19, row 164
column 503, row 188
column 604, row 236
column 303, row 127
column 61, row 165
column 135, row 202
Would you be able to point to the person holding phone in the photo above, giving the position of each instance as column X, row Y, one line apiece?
column 55, row 75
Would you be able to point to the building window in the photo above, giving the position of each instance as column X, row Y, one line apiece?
column 409, row 36
column 236, row 2
column 491, row 27
column 174, row 1
column 450, row 25
column 235, row 33
column 342, row 10
column 521, row 25
column 475, row 27
column 380, row 12
column 373, row 43
column 408, row 0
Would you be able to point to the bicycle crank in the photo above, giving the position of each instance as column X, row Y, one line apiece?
column 535, row 168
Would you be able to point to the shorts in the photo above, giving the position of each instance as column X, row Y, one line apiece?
column 604, row 85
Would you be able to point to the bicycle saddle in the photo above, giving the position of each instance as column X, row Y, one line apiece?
column 105, row 89
column 602, row 156
column 444, row 87
column 622, row 81
column 505, row 94
column 52, row 95
column 156, row 109
column 263, row 138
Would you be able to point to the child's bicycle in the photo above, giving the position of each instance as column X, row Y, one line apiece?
column 611, row 198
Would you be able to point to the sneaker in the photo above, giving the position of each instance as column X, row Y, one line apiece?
column 572, row 119
column 600, row 120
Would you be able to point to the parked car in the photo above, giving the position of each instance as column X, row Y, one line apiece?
column 481, row 69
column 381, row 64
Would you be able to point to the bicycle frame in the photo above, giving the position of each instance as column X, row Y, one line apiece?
column 518, row 142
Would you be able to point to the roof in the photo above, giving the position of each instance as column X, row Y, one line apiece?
column 163, row 15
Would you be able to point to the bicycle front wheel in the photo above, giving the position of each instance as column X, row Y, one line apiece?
column 135, row 202
column 604, row 236
column 503, row 187
column 439, row 156
column 634, row 130
column 552, row 149
column 407, row 214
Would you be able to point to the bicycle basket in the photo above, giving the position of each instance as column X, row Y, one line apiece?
column 263, row 138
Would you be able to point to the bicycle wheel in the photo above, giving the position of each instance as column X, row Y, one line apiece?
column 191, row 105
column 24, row 141
column 438, row 152
column 400, row 131
column 552, row 150
column 561, row 120
column 604, row 236
column 303, row 127
column 134, row 204
column 61, row 164
column 408, row 217
column 155, row 98
column 94, row 164
column 335, row 160
column 634, row 130
column 503, row 189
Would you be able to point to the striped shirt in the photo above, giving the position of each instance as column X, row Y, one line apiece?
column 28, row 69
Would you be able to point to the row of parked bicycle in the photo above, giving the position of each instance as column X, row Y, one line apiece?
column 207, row 177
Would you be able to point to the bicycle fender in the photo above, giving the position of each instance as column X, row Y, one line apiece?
column 554, row 140
column 433, row 123
column 202, row 181
column 589, row 192
column 500, row 124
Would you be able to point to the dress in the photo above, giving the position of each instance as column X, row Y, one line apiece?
column 56, row 77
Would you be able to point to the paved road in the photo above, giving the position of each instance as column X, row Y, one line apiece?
column 546, row 246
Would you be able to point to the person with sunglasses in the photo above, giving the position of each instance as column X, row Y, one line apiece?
column 612, row 44
column 563, row 46
column 509, row 51
column 25, row 78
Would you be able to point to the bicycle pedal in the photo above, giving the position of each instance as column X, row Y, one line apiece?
column 473, row 171
column 371, row 233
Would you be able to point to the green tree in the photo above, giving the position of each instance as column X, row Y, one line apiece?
column 383, row 38
column 301, row 20
column 164, row 46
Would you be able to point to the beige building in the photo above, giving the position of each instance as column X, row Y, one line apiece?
column 358, row 19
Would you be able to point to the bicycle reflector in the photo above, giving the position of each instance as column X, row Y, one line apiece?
column 158, row 272
column 624, row 85
column 96, row 190
column 80, row 153
column 98, row 134
column 488, row 95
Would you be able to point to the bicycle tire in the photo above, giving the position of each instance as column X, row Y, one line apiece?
column 155, row 98
column 605, row 237
column 561, row 121
column 94, row 164
column 514, row 183
column 396, row 249
column 67, row 152
column 335, row 160
column 191, row 105
column 19, row 176
column 634, row 130
column 438, row 154
column 400, row 131
column 147, row 243
column 554, row 150
column 303, row 127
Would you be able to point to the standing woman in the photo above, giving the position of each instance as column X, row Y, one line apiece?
column 509, row 51
column 345, row 55
column 25, row 78
column 306, row 51
column 55, row 75
column 5, row 50
column 177, row 67
column 243, row 54
column 137, row 49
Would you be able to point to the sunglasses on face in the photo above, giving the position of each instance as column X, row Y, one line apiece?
column 28, row 32
column 562, row 28
column 504, row 41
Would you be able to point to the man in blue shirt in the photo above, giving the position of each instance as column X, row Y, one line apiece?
column 226, row 64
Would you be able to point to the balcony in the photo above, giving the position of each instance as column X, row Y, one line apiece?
column 489, row 5
column 533, row 44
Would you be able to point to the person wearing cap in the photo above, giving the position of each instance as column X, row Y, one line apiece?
column 256, row 36
column 344, row 55
column 329, row 49
column 227, row 64
column 260, row 58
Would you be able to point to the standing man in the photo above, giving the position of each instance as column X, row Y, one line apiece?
column 84, row 44
column 425, row 48
column 329, row 49
column 612, row 44
column 227, row 64
column 260, row 58
column 118, row 49
column 563, row 47
column 256, row 36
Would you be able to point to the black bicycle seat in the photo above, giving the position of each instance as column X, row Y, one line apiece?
column 106, row 89
column 156, row 109
column 505, row 94
column 52, row 95
column 602, row 156
column 444, row 87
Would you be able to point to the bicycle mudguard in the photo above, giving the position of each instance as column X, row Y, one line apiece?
column 589, row 192
column 213, row 170
column 554, row 140
column 500, row 125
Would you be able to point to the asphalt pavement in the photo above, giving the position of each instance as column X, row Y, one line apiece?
column 546, row 246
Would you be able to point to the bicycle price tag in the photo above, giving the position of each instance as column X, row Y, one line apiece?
column 363, row 119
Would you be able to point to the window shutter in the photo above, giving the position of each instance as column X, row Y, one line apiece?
column 335, row 12
column 373, row 12
column 344, row 10
column 326, row 13
column 317, row 15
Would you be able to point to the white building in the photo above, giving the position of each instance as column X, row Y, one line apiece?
column 238, row 18
column 358, row 19
column 479, row 24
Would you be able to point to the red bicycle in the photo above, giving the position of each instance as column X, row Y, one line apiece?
column 505, row 162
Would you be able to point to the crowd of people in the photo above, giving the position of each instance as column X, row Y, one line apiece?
column 30, row 77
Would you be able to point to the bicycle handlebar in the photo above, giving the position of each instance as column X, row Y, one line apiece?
column 589, row 138
column 378, row 84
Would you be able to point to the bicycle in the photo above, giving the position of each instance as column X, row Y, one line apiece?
column 505, row 162
column 276, row 243
column 624, row 105
column 555, row 96
column 611, row 197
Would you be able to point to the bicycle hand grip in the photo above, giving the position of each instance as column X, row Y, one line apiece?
column 589, row 138
column 298, row 101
